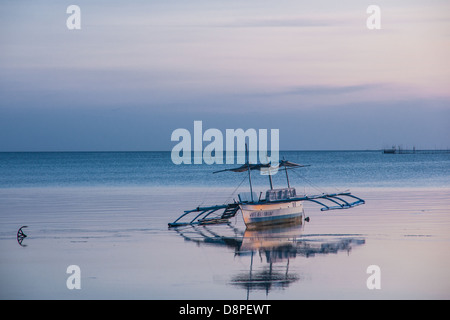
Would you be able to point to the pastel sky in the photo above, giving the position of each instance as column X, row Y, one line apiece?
column 137, row 70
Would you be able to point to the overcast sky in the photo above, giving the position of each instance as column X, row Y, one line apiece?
column 137, row 70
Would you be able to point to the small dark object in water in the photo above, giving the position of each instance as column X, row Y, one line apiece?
column 307, row 219
column 21, row 235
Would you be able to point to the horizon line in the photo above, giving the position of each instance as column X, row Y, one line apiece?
column 287, row 150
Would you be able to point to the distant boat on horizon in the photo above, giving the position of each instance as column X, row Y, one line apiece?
column 391, row 150
column 400, row 150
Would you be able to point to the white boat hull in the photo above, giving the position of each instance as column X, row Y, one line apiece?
column 271, row 213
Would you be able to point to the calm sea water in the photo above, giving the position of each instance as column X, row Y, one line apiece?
column 107, row 212
column 327, row 169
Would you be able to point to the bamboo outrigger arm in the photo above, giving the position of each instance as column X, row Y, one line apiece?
column 229, row 210
column 340, row 200
column 336, row 198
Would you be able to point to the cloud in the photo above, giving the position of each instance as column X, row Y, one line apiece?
column 328, row 90
column 301, row 96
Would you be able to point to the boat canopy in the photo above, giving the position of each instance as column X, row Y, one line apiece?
column 263, row 166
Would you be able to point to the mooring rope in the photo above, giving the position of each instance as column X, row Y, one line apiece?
column 320, row 190
column 234, row 191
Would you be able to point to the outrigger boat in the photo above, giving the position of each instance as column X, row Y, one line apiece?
column 278, row 206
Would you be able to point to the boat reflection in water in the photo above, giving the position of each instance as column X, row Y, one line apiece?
column 270, row 250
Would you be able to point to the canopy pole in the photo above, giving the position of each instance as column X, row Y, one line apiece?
column 270, row 179
column 287, row 177
column 249, row 175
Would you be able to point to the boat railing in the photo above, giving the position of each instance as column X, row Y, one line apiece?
column 280, row 194
column 271, row 195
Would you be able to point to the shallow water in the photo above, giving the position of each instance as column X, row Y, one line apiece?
column 119, row 238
